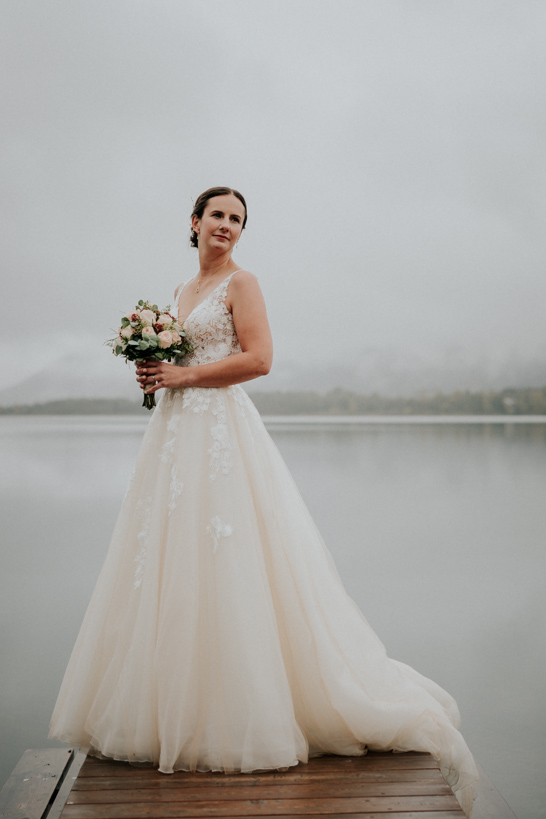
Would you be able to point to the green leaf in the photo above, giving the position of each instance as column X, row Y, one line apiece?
column 143, row 345
column 140, row 303
column 124, row 322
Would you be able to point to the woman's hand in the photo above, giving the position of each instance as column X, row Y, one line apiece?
column 246, row 304
column 153, row 375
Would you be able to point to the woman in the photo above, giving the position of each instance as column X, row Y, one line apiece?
column 219, row 635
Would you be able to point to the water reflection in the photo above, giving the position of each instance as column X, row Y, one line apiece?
column 437, row 531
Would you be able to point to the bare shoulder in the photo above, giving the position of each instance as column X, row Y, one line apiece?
column 243, row 279
column 244, row 285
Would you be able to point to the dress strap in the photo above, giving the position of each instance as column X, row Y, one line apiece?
column 177, row 293
column 222, row 288
column 228, row 278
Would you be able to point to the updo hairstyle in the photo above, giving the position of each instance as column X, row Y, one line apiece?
column 201, row 203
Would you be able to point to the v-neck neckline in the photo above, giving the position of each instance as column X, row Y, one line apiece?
column 212, row 292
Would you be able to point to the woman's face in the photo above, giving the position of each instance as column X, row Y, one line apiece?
column 221, row 224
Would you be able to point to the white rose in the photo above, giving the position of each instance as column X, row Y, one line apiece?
column 147, row 317
column 165, row 320
column 165, row 339
column 176, row 337
column 148, row 332
column 118, row 346
column 127, row 332
column 134, row 315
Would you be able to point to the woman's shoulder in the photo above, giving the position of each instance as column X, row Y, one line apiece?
column 242, row 279
column 244, row 289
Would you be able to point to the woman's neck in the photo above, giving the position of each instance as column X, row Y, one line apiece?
column 209, row 267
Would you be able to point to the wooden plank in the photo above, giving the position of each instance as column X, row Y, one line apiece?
column 262, row 807
column 151, row 779
column 33, row 783
column 406, row 786
column 339, row 790
column 333, row 764
column 373, row 815
column 183, row 779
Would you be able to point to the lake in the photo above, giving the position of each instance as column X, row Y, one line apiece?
column 437, row 529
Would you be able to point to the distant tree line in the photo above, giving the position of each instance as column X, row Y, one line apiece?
column 336, row 402
column 344, row 402
column 78, row 406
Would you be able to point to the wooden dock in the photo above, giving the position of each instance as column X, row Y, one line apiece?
column 60, row 784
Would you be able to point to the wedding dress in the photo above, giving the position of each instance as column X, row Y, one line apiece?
column 219, row 635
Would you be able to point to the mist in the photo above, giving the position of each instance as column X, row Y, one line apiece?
column 392, row 155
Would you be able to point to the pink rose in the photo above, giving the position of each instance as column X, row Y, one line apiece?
column 148, row 332
column 147, row 317
column 165, row 319
column 176, row 337
column 165, row 339
column 127, row 332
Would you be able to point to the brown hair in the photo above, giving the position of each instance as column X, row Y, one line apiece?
column 201, row 203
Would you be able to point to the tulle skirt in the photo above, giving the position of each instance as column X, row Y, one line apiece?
column 219, row 635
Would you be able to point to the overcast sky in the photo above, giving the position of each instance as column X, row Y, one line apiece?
column 392, row 153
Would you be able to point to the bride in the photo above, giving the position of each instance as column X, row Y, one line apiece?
column 219, row 635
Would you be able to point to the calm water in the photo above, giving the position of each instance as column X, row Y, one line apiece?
column 437, row 531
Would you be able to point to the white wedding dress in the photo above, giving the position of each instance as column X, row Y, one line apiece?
column 219, row 635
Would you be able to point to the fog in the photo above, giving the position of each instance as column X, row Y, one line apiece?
column 392, row 155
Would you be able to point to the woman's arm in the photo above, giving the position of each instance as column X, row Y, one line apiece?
column 247, row 306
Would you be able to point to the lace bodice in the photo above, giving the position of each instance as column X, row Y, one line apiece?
column 210, row 329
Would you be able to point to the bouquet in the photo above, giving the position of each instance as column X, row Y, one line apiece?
column 148, row 332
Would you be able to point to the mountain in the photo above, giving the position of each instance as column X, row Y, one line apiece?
column 388, row 372
column 76, row 376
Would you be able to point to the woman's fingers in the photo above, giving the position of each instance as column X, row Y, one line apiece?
column 147, row 373
column 153, row 375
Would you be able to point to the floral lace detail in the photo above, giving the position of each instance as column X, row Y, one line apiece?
column 175, row 490
column 172, row 423
column 167, row 451
column 197, row 399
column 210, row 330
column 221, row 455
column 145, row 507
column 216, row 529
